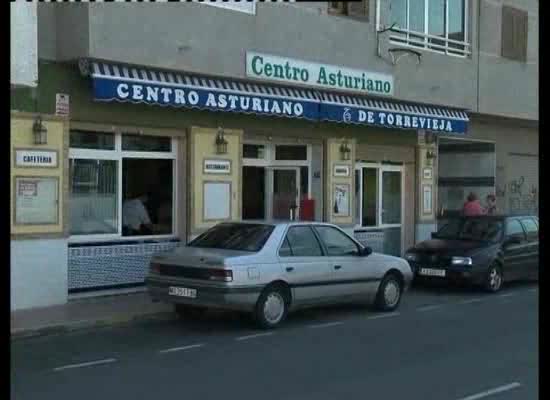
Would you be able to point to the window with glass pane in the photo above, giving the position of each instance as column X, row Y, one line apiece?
column 92, row 140
column 255, row 151
column 436, row 22
column 147, row 195
column 289, row 152
column 457, row 29
column 514, row 229
column 93, row 196
column 302, row 242
column 336, row 243
column 391, row 197
column 146, row 143
column 398, row 13
column 357, row 198
column 370, row 196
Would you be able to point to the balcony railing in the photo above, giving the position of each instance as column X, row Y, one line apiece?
column 430, row 42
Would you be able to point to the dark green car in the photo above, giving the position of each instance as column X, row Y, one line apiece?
column 484, row 251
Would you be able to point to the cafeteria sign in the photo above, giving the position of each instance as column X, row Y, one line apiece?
column 292, row 71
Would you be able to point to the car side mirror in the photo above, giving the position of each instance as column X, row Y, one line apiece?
column 365, row 251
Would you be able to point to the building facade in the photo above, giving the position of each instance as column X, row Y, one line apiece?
column 378, row 116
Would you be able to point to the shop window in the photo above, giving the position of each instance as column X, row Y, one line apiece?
column 391, row 197
column 121, row 192
column 291, row 153
column 254, row 151
column 438, row 25
column 92, row 140
column 146, row 143
column 146, row 199
column 357, row 9
column 93, row 200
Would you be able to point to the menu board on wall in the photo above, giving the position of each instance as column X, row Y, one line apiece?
column 217, row 200
column 36, row 201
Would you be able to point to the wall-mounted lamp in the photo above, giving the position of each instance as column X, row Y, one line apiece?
column 39, row 131
column 221, row 143
column 345, row 151
column 430, row 157
column 429, row 137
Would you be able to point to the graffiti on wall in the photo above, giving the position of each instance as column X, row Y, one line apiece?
column 523, row 198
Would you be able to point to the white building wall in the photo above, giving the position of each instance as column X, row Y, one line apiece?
column 38, row 273
column 23, row 44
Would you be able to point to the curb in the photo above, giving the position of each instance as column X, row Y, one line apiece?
column 26, row 333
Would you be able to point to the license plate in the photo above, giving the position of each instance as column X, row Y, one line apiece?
column 182, row 292
column 432, row 272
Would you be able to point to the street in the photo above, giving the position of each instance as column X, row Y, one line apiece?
column 443, row 344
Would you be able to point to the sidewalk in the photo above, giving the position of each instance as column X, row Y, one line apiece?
column 86, row 313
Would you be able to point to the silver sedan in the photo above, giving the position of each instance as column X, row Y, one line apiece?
column 270, row 269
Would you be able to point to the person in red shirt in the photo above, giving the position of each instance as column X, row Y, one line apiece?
column 472, row 207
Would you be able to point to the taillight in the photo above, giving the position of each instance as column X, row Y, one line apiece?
column 155, row 268
column 224, row 275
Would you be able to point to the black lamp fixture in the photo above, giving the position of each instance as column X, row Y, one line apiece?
column 345, row 151
column 430, row 156
column 221, row 143
column 39, row 131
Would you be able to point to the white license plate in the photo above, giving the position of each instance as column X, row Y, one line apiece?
column 432, row 272
column 182, row 292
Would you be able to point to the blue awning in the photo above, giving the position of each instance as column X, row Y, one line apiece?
column 391, row 114
column 123, row 83
column 112, row 82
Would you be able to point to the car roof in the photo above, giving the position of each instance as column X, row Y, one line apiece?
column 278, row 222
column 498, row 216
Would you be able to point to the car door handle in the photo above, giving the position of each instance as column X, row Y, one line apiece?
column 337, row 266
column 289, row 269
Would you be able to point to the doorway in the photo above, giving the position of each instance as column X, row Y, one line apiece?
column 379, row 190
column 253, row 201
column 285, row 192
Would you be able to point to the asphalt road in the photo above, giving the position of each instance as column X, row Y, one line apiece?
column 442, row 344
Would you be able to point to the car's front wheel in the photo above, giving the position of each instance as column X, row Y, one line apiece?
column 271, row 307
column 389, row 293
column 494, row 278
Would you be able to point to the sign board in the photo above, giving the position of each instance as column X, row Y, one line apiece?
column 341, row 206
column 217, row 166
column 427, row 199
column 298, row 72
column 427, row 173
column 35, row 158
column 341, row 170
column 36, row 201
column 62, row 104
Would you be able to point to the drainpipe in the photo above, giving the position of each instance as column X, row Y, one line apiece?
column 478, row 49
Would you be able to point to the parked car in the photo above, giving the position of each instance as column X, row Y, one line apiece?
column 269, row 269
column 484, row 250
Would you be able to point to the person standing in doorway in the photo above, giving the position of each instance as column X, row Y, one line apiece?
column 472, row 207
column 135, row 218
column 491, row 204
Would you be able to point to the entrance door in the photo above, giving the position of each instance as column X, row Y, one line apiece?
column 253, row 193
column 285, row 192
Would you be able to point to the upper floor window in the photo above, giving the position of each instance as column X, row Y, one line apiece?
column 357, row 9
column 514, row 33
column 438, row 25
column 246, row 6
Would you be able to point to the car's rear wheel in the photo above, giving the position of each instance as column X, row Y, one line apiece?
column 185, row 311
column 272, row 307
column 389, row 293
column 494, row 278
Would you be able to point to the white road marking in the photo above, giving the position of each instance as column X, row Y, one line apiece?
column 506, row 295
column 326, row 325
column 395, row 314
column 429, row 307
column 533, row 290
column 191, row 346
column 86, row 364
column 254, row 336
column 470, row 301
column 490, row 392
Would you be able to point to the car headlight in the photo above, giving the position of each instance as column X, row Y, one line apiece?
column 461, row 261
column 411, row 256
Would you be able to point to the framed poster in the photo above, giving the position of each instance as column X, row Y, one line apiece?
column 427, row 199
column 36, row 200
column 341, row 170
column 216, row 200
column 341, row 199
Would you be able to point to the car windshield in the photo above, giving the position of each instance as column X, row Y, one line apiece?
column 244, row 237
column 479, row 229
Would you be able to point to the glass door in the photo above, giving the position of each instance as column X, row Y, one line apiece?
column 285, row 192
